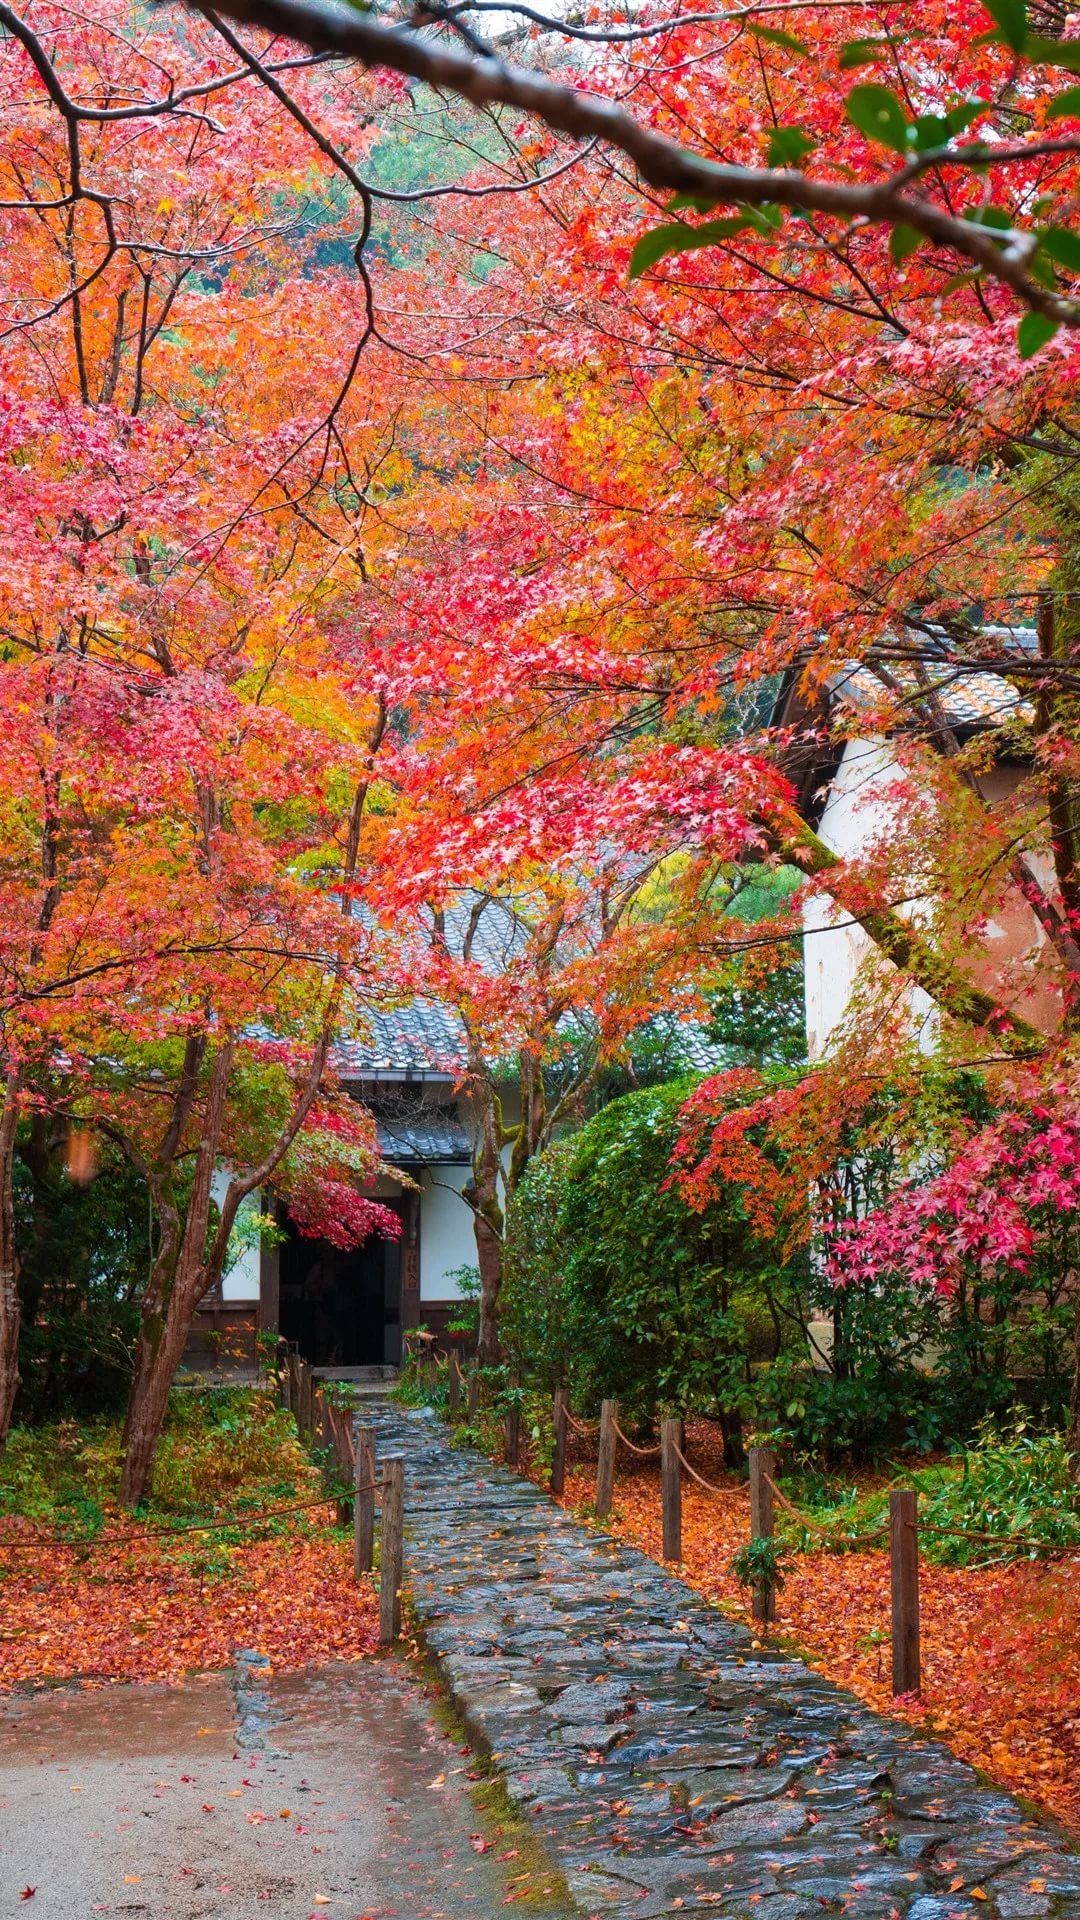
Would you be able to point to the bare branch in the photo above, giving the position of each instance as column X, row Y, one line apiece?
column 661, row 162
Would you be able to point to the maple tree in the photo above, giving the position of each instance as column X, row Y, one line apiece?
column 657, row 534
column 612, row 461
column 192, row 755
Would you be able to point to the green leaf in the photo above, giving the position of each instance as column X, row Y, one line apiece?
column 789, row 146
column 903, row 241
column 1062, row 245
column 964, row 112
column 678, row 238
column 877, row 112
column 1010, row 18
column 931, row 131
column 766, row 219
column 990, row 216
column 864, row 53
column 970, row 277
column 1054, row 53
column 777, row 38
column 1066, row 106
column 696, row 202
column 1033, row 332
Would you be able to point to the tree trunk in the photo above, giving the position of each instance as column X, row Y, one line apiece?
column 489, row 1261
column 9, row 1259
column 180, row 1277
column 482, row 1195
column 157, row 1357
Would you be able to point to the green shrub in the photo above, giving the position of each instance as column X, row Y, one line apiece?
column 616, row 1285
column 84, row 1251
column 1018, row 1488
column 222, row 1447
column 1012, row 1494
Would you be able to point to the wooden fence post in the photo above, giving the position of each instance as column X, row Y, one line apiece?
column 762, row 1462
column 904, row 1569
column 364, row 1501
column 453, row 1386
column 342, row 1458
column 605, row 1459
column 513, row 1426
column 392, row 1551
column 558, row 1458
column 474, row 1393
column 671, row 1488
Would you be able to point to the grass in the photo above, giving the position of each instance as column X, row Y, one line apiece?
column 1011, row 1495
column 228, row 1450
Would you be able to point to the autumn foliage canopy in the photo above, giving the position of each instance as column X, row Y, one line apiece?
column 401, row 503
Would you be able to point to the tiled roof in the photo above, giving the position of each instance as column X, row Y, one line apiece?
column 423, row 1137
column 969, row 697
column 426, row 1039
column 419, row 1038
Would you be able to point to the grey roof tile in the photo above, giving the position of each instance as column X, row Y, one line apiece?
column 421, row 1138
column 426, row 1038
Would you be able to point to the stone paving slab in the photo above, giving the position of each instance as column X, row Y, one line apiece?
column 673, row 1767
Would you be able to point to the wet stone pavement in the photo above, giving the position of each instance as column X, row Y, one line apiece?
column 325, row 1795
column 672, row 1766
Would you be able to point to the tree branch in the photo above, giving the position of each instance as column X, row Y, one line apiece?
column 661, row 162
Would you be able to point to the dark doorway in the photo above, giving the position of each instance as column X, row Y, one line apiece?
column 342, row 1309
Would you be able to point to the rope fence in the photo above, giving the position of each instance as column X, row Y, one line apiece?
column 900, row 1531
column 239, row 1521
column 329, row 1429
column 353, row 1488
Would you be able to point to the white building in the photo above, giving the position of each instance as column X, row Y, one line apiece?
column 848, row 792
column 352, row 1309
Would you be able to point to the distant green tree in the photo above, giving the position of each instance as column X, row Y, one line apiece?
column 759, row 1017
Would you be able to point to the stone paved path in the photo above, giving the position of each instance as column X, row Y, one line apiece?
column 674, row 1768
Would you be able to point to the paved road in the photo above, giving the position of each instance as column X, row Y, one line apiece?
column 330, row 1794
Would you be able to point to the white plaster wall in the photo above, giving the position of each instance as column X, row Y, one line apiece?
column 446, row 1230
column 857, row 811
column 241, row 1280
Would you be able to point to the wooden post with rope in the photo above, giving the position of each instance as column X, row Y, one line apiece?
column 364, row 1502
column 558, row 1457
column 904, row 1571
column 671, row 1488
column 513, row 1424
column 605, row 1459
column 762, row 1463
column 392, row 1551
column 453, row 1387
column 342, row 1459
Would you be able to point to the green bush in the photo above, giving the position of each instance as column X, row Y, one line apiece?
column 84, row 1252
column 1010, row 1495
column 617, row 1286
column 226, row 1447
column 1018, row 1488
